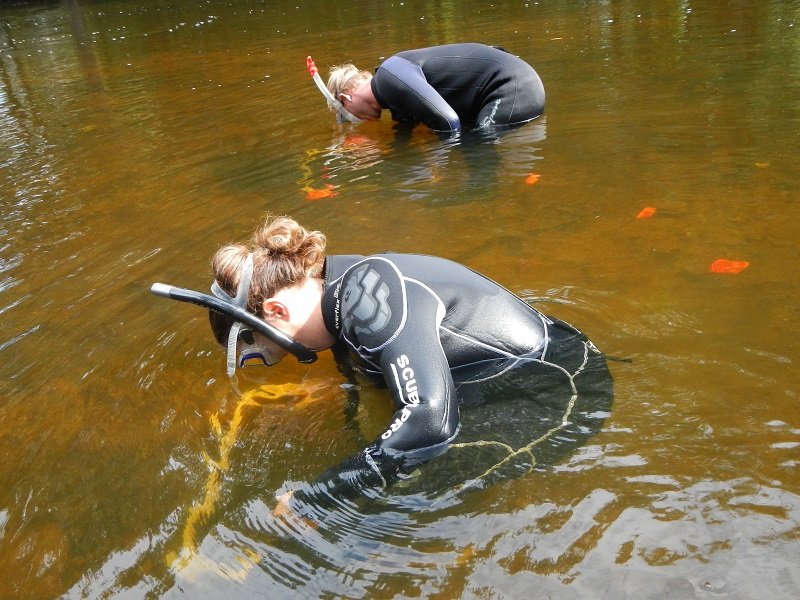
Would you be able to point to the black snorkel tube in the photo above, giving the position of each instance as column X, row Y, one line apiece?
column 292, row 346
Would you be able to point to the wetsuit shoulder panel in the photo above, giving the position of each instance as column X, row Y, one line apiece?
column 373, row 304
column 400, row 86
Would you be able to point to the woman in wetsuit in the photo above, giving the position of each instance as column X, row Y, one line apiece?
column 446, row 88
column 435, row 332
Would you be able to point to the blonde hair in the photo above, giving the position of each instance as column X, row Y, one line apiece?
column 345, row 78
column 284, row 254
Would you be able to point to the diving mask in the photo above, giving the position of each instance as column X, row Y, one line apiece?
column 244, row 346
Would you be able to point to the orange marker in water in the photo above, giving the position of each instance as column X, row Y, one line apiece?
column 532, row 178
column 723, row 265
column 314, row 194
column 646, row 212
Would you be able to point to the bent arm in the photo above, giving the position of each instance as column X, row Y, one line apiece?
column 426, row 417
column 402, row 87
column 416, row 434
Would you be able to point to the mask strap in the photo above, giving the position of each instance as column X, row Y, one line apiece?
column 242, row 293
column 243, row 290
column 233, row 340
column 244, row 283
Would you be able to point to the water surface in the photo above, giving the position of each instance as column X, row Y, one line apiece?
column 136, row 139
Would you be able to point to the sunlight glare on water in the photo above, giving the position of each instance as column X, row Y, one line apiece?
column 136, row 138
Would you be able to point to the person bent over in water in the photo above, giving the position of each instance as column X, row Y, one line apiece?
column 437, row 334
column 446, row 88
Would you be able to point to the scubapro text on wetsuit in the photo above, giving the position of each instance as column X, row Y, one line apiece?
column 407, row 387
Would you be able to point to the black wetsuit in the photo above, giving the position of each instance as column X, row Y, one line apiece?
column 459, row 85
column 435, row 332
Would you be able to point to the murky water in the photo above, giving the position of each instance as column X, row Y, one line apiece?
column 135, row 138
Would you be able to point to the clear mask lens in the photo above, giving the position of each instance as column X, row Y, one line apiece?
column 254, row 350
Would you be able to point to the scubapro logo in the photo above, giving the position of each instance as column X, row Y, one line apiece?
column 365, row 302
column 406, row 383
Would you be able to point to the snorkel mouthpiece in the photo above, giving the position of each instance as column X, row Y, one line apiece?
column 342, row 114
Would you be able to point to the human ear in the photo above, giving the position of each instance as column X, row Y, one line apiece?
column 274, row 310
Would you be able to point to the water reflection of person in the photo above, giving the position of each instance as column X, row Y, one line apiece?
column 446, row 88
column 454, row 171
column 435, row 332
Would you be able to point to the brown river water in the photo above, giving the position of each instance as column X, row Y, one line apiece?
column 137, row 137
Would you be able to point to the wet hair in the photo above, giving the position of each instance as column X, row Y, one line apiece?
column 285, row 254
column 345, row 78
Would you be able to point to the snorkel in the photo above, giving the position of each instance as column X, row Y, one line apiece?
column 342, row 114
column 244, row 321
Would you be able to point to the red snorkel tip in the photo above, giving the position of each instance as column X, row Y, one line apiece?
column 312, row 68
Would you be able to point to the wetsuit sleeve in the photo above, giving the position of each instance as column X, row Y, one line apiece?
column 400, row 85
column 416, row 371
column 418, row 376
